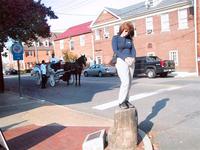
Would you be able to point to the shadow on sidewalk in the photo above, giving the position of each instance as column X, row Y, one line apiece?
column 147, row 124
column 34, row 137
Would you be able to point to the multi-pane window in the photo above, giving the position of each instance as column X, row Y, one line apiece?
column 97, row 34
column 165, row 22
column 149, row 25
column 46, row 43
column 38, row 44
column 82, row 40
column 135, row 33
column 61, row 44
column 98, row 59
column 151, row 54
column 173, row 55
column 116, row 29
column 106, row 32
column 182, row 19
column 71, row 44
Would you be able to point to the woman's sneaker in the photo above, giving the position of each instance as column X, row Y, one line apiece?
column 124, row 105
column 129, row 104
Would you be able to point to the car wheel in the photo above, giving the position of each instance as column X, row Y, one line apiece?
column 100, row 74
column 52, row 81
column 151, row 73
column 85, row 74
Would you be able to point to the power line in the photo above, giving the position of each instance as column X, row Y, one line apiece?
column 74, row 14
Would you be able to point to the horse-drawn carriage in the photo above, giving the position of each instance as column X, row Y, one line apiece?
column 56, row 72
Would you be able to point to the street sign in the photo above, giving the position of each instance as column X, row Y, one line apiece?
column 17, row 51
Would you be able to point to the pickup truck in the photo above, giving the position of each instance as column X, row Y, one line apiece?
column 153, row 66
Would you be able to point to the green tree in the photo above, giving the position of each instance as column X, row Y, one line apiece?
column 24, row 21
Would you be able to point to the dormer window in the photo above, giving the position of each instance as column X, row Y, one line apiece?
column 152, row 3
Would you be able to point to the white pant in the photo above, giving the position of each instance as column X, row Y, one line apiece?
column 125, row 74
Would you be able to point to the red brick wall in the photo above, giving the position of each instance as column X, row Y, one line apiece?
column 162, row 42
column 105, row 17
column 78, row 49
column 198, row 32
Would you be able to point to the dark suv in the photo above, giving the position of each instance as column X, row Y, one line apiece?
column 153, row 66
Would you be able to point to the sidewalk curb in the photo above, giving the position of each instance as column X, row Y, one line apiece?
column 67, row 108
column 145, row 139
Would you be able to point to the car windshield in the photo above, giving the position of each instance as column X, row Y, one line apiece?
column 155, row 58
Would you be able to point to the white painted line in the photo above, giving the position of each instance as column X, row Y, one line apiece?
column 134, row 98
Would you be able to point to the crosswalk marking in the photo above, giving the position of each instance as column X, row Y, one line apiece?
column 134, row 98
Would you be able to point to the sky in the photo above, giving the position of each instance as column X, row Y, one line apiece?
column 74, row 12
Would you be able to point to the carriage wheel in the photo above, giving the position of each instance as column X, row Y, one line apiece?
column 71, row 79
column 38, row 78
column 52, row 80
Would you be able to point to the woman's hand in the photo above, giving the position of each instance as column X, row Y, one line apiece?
column 130, row 61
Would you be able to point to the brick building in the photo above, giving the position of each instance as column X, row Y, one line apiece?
column 162, row 27
column 197, row 3
column 77, row 39
column 41, row 50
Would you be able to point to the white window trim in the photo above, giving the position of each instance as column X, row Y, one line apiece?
column 61, row 44
column 38, row 44
column 149, row 28
column 106, row 32
column 82, row 40
column 97, row 34
column 116, row 29
column 100, row 57
column 164, row 22
column 180, row 27
column 170, row 57
column 70, row 45
column 46, row 43
column 151, row 54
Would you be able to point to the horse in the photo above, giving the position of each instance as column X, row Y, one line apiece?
column 76, row 68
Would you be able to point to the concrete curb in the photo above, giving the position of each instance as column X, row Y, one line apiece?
column 145, row 139
column 183, row 74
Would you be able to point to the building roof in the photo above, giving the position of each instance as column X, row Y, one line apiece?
column 141, row 9
column 75, row 30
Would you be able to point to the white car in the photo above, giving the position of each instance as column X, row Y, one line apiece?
column 100, row 70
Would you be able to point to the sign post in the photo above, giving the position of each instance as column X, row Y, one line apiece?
column 17, row 51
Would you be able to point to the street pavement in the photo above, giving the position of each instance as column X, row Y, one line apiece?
column 168, row 108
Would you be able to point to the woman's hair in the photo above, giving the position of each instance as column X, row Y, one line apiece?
column 129, row 27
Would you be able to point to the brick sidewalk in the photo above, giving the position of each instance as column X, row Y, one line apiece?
column 52, row 136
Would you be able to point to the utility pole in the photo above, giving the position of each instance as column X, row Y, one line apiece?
column 36, row 52
column 1, row 74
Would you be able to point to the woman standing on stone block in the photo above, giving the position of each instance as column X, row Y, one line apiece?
column 122, row 45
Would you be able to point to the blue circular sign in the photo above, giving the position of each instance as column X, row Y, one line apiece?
column 17, row 48
column 17, row 51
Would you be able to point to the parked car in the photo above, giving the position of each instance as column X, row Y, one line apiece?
column 153, row 66
column 99, row 70
column 11, row 71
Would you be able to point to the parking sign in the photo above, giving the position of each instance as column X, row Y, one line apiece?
column 17, row 51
